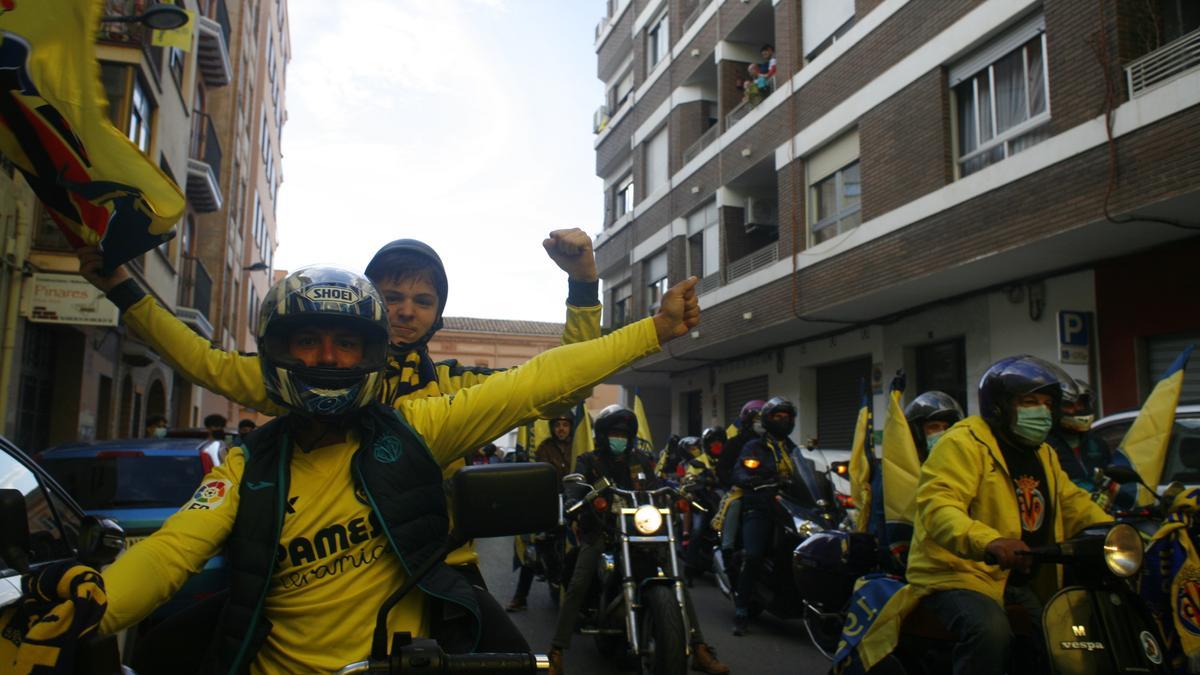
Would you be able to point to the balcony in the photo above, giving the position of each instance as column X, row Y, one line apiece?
column 204, row 165
column 1163, row 64
column 213, row 56
column 761, row 258
column 701, row 143
column 195, row 297
column 749, row 103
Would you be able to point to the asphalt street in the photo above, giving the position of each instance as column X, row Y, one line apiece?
column 772, row 646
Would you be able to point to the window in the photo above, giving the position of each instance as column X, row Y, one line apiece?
column 656, row 161
column 835, row 189
column 620, row 309
column 1178, row 17
column 704, row 241
column 624, row 198
column 657, row 43
column 837, row 203
column 271, row 55
column 623, row 89
column 824, row 21
column 1002, row 98
column 140, row 110
column 656, row 281
column 47, row 515
column 176, row 61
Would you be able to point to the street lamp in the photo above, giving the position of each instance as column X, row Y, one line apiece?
column 157, row 16
column 259, row 266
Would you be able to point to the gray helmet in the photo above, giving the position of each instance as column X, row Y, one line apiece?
column 932, row 406
column 323, row 296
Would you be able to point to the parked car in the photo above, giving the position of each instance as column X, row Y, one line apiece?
column 57, row 529
column 1183, row 450
column 140, row 483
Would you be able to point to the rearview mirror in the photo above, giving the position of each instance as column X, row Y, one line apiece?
column 499, row 500
column 14, row 530
column 100, row 541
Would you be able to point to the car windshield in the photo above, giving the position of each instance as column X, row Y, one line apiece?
column 128, row 482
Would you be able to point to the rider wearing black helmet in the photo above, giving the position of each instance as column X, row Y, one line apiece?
column 1079, row 453
column 929, row 416
column 993, row 489
column 617, row 459
column 713, row 440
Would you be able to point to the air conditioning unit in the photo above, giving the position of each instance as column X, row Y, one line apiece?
column 600, row 119
column 761, row 214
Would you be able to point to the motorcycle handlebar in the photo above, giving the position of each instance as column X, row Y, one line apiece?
column 460, row 663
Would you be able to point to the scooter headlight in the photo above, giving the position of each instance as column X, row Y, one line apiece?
column 1123, row 550
column 647, row 519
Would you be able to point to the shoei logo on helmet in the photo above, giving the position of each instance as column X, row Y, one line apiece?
column 332, row 293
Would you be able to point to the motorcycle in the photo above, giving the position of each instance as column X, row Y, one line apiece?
column 795, row 518
column 636, row 605
column 544, row 553
column 703, row 500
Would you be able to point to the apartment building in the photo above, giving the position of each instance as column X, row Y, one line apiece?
column 72, row 376
column 926, row 185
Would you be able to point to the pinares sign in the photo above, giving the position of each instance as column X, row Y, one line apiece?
column 67, row 298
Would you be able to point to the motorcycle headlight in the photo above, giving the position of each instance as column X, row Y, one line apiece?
column 1123, row 550
column 647, row 519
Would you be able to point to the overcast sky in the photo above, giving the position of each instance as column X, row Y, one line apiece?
column 463, row 123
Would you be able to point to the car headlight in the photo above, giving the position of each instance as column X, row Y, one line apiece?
column 1123, row 550
column 647, row 519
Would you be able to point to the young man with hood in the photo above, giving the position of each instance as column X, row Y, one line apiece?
column 412, row 280
column 993, row 490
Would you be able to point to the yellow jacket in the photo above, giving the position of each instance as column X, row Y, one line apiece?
column 152, row 570
column 966, row 499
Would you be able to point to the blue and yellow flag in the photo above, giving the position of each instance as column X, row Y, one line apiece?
column 582, row 442
column 645, row 441
column 901, row 472
column 539, row 431
column 1145, row 444
column 862, row 459
column 54, row 126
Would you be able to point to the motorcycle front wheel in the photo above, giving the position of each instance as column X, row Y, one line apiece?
column 664, row 641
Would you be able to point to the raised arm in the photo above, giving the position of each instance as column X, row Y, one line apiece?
column 453, row 425
column 235, row 376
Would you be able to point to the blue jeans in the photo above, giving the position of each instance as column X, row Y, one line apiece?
column 756, row 537
column 982, row 629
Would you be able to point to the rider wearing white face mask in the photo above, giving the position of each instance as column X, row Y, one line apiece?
column 1079, row 453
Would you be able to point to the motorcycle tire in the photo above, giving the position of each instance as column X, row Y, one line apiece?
column 824, row 633
column 664, row 640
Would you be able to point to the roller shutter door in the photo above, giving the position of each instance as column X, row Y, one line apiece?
column 838, row 401
column 1162, row 351
column 737, row 393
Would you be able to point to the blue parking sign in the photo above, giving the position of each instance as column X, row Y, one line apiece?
column 1074, row 336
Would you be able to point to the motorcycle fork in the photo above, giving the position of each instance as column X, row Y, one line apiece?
column 679, row 598
column 627, row 588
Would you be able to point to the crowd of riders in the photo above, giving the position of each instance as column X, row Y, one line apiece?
column 368, row 427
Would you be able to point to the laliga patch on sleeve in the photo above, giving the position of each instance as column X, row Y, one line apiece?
column 209, row 495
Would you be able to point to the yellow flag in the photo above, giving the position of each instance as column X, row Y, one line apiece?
column 645, row 442
column 54, row 126
column 179, row 38
column 582, row 443
column 860, row 470
column 541, row 431
column 1145, row 444
column 731, row 431
column 901, row 465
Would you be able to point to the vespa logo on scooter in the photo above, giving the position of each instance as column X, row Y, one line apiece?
column 1081, row 645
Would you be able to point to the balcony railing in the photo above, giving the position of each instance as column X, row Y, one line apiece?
column 701, row 143
column 744, row 108
column 687, row 23
column 204, row 165
column 1164, row 64
column 761, row 258
column 195, row 296
column 213, row 57
column 131, row 33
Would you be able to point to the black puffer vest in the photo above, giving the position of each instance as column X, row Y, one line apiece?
column 402, row 484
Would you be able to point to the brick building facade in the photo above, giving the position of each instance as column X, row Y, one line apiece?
column 928, row 185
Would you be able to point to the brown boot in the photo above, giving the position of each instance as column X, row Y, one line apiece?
column 517, row 604
column 705, row 660
column 556, row 661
